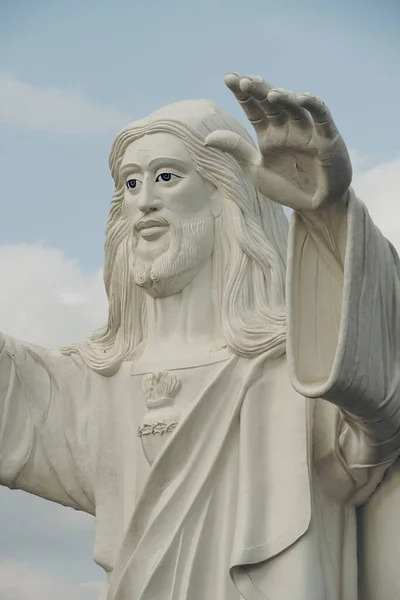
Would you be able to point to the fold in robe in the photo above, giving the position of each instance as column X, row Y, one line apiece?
column 294, row 462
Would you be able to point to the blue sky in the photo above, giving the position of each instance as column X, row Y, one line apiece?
column 135, row 56
column 71, row 74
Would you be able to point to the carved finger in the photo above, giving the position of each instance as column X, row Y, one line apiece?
column 288, row 101
column 258, row 90
column 251, row 108
column 320, row 114
column 232, row 143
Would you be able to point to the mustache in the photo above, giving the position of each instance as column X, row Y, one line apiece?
column 152, row 222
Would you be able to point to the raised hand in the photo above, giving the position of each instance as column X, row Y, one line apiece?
column 302, row 161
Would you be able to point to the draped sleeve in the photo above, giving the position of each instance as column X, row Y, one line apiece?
column 45, row 436
column 344, row 337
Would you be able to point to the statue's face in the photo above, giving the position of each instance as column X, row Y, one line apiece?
column 169, row 206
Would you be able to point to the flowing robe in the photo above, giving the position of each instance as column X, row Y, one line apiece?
column 254, row 494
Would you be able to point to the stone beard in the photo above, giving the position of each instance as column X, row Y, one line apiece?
column 183, row 250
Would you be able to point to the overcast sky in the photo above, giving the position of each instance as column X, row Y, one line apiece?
column 71, row 74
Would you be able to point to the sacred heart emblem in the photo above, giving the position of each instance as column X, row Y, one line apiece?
column 160, row 390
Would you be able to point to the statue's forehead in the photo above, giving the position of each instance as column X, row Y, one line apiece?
column 155, row 145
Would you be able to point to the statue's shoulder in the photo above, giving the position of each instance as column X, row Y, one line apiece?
column 54, row 360
column 271, row 367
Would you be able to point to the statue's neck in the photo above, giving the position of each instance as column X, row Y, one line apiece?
column 183, row 324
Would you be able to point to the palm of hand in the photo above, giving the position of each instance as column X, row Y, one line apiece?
column 302, row 160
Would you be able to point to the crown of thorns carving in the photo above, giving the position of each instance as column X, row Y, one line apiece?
column 158, row 428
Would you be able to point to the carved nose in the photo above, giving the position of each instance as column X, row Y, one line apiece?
column 147, row 209
column 148, row 202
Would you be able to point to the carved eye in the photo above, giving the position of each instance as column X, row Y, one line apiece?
column 131, row 184
column 166, row 177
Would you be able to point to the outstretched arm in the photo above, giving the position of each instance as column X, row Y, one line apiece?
column 42, row 440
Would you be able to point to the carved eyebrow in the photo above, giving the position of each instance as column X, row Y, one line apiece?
column 128, row 168
column 156, row 163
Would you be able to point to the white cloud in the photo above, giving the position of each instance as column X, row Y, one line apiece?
column 379, row 188
column 46, row 298
column 52, row 109
column 20, row 581
column 361, row 162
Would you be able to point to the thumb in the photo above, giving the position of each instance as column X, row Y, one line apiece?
column 232, row 143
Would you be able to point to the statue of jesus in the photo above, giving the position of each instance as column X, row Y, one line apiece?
column 222, row 431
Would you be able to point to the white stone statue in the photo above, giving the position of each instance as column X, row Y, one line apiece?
column 223, row 435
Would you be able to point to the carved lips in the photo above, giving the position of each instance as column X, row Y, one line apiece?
column 152, row 228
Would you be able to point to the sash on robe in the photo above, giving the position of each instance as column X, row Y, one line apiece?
column 253, row 401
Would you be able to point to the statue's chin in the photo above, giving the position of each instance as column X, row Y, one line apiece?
column 150, row 251
column 165, row 269
column 162, row 287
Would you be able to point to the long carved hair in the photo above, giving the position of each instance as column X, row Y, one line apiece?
column 249, row 255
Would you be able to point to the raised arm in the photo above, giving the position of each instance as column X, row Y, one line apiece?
column 42, row 438
column 343, row 280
